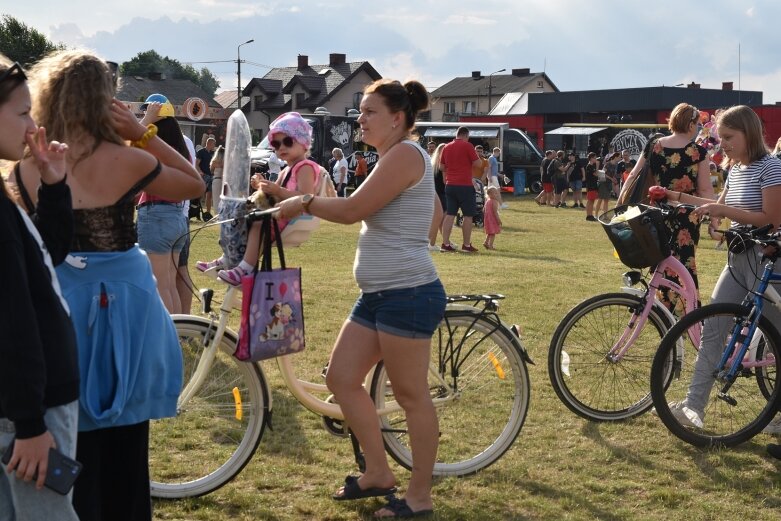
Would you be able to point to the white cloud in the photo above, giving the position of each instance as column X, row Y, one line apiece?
column 465, row 19
column 750, row 12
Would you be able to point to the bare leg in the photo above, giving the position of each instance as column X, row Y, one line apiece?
column 589, row 207
column 184, row 287
column 164, row 268
column 447, row 228
column 356, row 351
column 407, row 363
column 253, row 244
column 466, row 229
column 436, row 222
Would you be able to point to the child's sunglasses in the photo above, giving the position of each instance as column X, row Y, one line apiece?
column 287, row 141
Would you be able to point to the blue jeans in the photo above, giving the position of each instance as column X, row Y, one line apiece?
column 407, row 312
column 19, row 500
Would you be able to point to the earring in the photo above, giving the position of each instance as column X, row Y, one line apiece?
column 393, row 127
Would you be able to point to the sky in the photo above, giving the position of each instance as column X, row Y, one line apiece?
column 581, row 45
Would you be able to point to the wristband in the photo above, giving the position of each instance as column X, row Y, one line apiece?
column 151, row 132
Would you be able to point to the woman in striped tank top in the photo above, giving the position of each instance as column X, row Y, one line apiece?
column 752, row 196
column 401, row 302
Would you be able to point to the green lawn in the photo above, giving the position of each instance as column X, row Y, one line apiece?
column 561, row 467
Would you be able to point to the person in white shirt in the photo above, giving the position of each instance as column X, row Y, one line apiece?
column 275, row 166
column 339, row 173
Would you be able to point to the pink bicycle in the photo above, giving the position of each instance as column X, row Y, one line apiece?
column 600, row 356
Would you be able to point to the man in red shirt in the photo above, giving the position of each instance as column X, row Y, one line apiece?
column 458, row 160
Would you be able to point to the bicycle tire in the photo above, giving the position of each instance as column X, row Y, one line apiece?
column 726, row 424
column 478, row 357
column 584, row 379
column 207, row 444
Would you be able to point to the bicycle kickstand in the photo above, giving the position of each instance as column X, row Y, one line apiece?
column 359, row 459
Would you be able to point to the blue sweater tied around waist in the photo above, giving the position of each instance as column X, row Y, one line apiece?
column 130, row 361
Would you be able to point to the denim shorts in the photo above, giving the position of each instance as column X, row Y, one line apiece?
column 161, row 228
column 406, row 312
column 460, row 197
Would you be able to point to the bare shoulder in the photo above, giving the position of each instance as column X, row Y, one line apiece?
column 128, row 161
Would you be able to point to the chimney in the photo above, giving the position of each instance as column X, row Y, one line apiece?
column 726, row 85
column 157, row 76
column 521, row 72
column 693, row 85
column 335, row 59
column 476, row 75
column 303, row 61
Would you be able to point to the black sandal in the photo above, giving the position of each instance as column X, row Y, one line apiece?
column 352, row 490
column 401, row 509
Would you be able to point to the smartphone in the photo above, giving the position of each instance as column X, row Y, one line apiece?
column 61, row 473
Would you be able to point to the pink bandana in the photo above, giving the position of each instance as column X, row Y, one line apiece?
column 293, row 125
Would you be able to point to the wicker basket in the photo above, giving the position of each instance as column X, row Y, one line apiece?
column 643, row 240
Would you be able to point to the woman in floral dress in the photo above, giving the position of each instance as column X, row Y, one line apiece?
column 680, row 164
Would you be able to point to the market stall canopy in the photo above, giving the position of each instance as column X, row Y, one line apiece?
column 575, row 131
column 451, row 132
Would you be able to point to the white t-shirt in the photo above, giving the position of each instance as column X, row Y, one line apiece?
column 337, row 174
column 275, row 164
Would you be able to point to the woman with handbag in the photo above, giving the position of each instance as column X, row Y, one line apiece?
column 677, row 163
column 751, row 196
column 402, row 300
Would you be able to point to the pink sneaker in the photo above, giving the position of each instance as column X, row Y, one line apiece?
column 216, row 263
column 232, row 276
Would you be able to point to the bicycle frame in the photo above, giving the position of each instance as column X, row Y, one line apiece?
column 687, row 291
column 303, row 391
column 732, row 362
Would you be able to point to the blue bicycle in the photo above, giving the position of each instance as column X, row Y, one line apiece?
column 745, row 396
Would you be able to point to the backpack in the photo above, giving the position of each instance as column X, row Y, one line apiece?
column 300, row 228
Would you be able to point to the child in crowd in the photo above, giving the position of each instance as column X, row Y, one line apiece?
column 491, row 221
column 290, row 136
column 39, row 371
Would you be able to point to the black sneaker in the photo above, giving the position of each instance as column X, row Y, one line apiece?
column 591, row 218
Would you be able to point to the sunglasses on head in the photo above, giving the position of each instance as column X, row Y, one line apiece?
column 287, row 141
column 13, row 71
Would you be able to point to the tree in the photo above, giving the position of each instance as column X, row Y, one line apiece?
column 150, row 61
column 24, row 44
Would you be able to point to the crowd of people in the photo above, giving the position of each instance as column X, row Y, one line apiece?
column 90, row 354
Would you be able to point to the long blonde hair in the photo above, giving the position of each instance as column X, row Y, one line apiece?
column 436, row 157
column 72, row 93
column 745, row 120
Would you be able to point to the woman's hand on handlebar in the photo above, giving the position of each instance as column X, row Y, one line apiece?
column 657, row 193
column 714, row 210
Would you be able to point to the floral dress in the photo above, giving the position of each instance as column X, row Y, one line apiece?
column 676, row 169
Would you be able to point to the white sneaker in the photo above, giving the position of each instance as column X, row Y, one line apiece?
column 433, row 247
column 504, row 206
column 686, row 416
column 774, row 427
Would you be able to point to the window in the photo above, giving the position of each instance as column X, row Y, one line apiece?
column 540, row 85
column 299, row 100
column 469, row 107
column 357, row 97
column 258, row 102
column 450, row 107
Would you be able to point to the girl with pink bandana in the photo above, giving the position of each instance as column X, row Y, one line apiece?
column 290, row 136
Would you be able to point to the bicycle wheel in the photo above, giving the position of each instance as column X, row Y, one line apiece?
column 482, row 379
column 215, row 433
column 584, row 378
column 729, row 418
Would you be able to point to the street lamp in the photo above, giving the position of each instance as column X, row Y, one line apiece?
column 238, row 71
column 490, row 87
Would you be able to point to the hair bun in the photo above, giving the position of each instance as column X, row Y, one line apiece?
column 418, row 95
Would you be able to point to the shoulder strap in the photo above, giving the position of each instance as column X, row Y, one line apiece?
column 143, row 182
column 28, row 202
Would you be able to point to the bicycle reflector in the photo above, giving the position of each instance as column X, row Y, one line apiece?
column 497, row 365
column 632, row 278
column 237, row 403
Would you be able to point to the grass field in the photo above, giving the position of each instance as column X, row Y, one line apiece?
column 561, row 467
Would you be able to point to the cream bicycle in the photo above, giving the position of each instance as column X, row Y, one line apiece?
column 478, row 381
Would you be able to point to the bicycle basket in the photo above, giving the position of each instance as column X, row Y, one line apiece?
column 641, row 241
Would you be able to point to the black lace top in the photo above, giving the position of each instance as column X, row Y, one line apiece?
column 106, row 228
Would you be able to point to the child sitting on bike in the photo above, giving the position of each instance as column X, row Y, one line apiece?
column 290, row 136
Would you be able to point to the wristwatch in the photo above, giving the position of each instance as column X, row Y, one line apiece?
column 306, row 201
